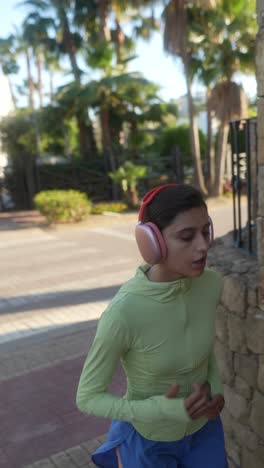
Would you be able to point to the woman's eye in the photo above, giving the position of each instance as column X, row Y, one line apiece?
column 186, row 239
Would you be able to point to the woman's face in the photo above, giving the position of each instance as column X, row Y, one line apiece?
column 188, row 241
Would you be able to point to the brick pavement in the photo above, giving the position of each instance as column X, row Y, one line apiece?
column 50, row 300
column 41, row 354
column 41, row 426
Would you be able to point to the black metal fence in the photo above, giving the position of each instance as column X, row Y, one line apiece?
column 28, row 178
column 243, row 139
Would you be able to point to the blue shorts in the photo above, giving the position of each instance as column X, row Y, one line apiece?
column 202, row 449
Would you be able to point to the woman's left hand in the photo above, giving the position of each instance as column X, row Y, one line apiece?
column 213, row 408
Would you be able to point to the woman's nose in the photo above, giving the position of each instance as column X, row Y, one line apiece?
column 202, row 243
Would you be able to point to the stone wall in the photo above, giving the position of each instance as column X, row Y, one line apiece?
column 240, row 354
column 260, row 157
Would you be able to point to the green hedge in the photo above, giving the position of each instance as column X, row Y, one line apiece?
column 114, row 207
column 63, row 206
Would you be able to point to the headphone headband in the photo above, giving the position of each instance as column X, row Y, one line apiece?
column 149, row 197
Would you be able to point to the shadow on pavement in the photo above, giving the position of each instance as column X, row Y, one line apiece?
column 50, row 300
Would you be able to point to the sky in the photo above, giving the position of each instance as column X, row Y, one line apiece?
column 151, row 61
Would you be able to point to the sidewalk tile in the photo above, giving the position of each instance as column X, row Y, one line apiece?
column 79, row 455
column 61, row 460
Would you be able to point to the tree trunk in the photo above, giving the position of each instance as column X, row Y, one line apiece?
column 84, row 141
column 106, row 144
column 120, row 38
column 210, row 152
column 194, row 134
column 86, row 137
column 40, row 83
column 69, row 44
column 13, row 97
column 30, row 81
column 220, row 159
column 67, row 146
column 104, row 30
column 51, row 87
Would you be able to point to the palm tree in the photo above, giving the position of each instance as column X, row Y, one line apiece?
column 8, row 61
column 230, row 48
column 36, row 33
column 229, row 102
column 23, row 47
column 69, row 43
column 177, row 27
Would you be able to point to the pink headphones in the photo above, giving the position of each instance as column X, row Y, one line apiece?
column 149, row 239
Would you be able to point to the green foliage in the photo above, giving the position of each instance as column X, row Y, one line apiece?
column 63, row 206
column 128, row 175
column 113, row 207
column 18, row 135
column 100, row 56
column 178, row 137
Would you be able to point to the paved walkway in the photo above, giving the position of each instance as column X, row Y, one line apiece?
column 43, row 343
column 48, row 314
column 40, row 424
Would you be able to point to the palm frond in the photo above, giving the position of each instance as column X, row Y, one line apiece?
column 175, row 27
column 228, row 101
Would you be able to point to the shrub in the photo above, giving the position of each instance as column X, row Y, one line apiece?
column 128, row 176
column 114, row 207
column 63, row 206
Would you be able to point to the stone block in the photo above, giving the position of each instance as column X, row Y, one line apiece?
column 260, row 107
column 236, row 404
column 255, row 333
column 231, row 463
column 252, row 297
column 260, row 60
column 221, row 324
column 242, row 387
column 233, row 451
column 261, row 288
column 253, row 459
column 237, row 334
column 260, row 239
column 261, row 374
column 225, row 362
column 261, row 190
column 234, row 295
column 247, row 368
column 244, row 435
column 260, row 12
column 257, row 412
column 227, row 422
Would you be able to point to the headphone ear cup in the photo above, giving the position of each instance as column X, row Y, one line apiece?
column 211, row 232
column 150, row 243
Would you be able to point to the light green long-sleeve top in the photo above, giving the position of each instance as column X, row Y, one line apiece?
column 163, row 333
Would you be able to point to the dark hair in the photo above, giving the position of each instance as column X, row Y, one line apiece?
column 170, row 202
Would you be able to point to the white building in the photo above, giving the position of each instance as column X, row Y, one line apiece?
column 6, row 107
column 201, row 117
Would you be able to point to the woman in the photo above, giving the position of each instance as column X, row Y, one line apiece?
column 160, row 325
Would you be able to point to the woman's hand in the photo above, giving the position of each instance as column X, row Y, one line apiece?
column 173, row 391
column 199, row 403
column 214, row 407
column 196, row 404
